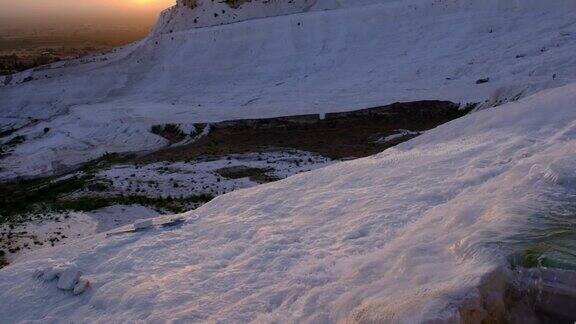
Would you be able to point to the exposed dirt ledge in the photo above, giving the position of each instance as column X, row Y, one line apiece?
column 524, row 296
column 351, row 134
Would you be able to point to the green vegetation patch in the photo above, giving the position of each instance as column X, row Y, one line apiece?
column 40, row 195
column 46, row 194
column 26, row 196
column 106, row 161
column 7, row 132
column 5, row 147
column 554, row 254
column 174, row 205
column 3, row 261
column 550, row 241
column 16, row 141
column 255, row 174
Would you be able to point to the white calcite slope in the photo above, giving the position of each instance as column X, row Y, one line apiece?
column 417, row 233
column 189, row 14
column 362, row 54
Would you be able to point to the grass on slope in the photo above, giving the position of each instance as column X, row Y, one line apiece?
column 58, row 194
column 258, row 175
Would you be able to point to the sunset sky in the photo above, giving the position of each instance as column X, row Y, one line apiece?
column 80, row 8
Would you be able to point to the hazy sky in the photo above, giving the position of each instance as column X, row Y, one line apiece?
column 80, row 9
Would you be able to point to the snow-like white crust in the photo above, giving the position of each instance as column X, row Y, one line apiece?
column 367, row 53
column 417, row 233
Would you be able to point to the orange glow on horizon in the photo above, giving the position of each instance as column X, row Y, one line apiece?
column 144, row 2
column 155, row 3
column 82, row 8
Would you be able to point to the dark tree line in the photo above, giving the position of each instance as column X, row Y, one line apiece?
column 13, row 63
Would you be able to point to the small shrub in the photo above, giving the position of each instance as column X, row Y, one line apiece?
column 3, row 261
column 157, row 129
column 98, row 186
column 16, row 140
column 171, row 132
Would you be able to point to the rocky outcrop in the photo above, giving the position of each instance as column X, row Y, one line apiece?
column 194, row 3
column 549, row 293
column 187, row 3
column 189, row 14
